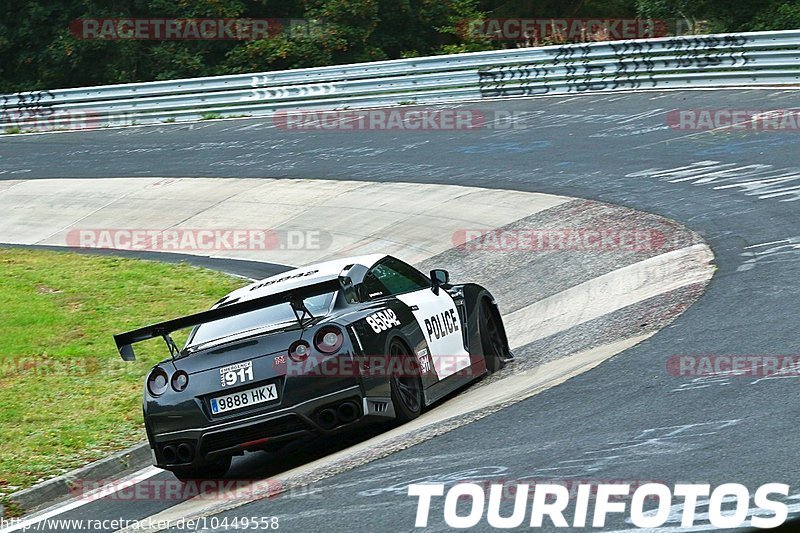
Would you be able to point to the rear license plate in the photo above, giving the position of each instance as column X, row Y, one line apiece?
column 231, row 402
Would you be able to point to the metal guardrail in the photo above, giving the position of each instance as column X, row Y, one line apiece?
column 745, row 59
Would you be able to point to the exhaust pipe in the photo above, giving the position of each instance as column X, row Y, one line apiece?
column 185, row 453
column 170, row 454
column 348, row 412
column 327, row 419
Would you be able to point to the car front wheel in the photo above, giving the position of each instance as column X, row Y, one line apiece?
column 491, row 337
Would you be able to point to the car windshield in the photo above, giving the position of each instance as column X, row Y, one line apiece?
column 258, row 319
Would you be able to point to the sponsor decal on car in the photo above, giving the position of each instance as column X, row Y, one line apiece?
column 382, row 320
column 234, row 374
column 424, row 361
column 284, row 278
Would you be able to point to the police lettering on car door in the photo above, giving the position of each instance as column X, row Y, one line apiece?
column 441, row 324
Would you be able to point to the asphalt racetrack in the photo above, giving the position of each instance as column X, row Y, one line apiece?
column 629, row 418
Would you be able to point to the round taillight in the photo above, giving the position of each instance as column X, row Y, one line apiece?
column 157, row 382
column 328, row 339
column 180, row 380
column 299, row 351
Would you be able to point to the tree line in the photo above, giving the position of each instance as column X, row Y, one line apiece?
column 47, row 44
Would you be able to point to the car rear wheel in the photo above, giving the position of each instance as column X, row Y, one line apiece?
column 406, row 384
column 491, row 338
column 213, row 470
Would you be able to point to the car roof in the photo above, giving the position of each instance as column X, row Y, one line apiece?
column 300, row 277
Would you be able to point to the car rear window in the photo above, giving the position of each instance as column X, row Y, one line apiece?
column 260, row 318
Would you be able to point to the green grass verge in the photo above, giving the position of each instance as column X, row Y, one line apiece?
column 66, row 398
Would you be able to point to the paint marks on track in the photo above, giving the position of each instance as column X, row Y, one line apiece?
column 759, row 180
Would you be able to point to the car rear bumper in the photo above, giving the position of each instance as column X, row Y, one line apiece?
column 293, row 422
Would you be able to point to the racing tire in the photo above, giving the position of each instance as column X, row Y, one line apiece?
column 213, row 470
column 406, row 388
column 492, row 339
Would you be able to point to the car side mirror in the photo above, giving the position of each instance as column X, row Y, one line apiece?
column 439, row 277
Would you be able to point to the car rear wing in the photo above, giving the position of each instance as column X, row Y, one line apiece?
column 295, row 297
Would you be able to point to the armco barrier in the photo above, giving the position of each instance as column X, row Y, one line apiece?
column 744, row 59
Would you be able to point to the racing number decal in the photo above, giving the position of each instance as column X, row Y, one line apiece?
column 439, row 321
column 382, row 320
column 238, row 373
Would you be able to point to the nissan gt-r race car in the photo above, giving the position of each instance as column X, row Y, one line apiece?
column 309, row 352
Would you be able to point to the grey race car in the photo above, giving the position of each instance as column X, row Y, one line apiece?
column 312, row 351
